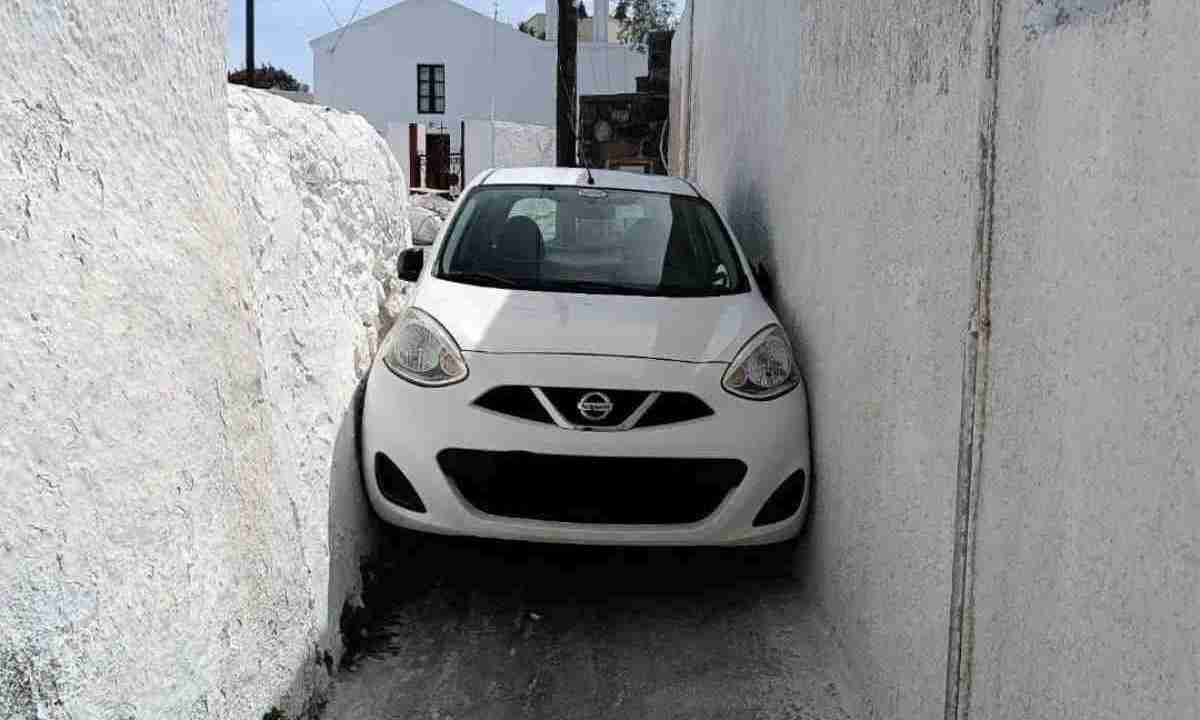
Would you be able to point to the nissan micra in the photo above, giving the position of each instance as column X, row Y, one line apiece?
column 586, row 358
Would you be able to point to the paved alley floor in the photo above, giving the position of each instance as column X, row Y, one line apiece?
column 471, row 629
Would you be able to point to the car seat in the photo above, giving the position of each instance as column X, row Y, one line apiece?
column 645, row 245
column 518, row 249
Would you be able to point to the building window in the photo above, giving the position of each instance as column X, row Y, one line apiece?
column 431, row 88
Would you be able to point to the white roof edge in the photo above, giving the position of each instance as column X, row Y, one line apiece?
column 577, row 177
column 380, row 14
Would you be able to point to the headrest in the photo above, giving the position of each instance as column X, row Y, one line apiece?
column 520, row 241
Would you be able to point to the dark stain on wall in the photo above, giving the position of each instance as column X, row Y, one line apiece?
column 1045, row 16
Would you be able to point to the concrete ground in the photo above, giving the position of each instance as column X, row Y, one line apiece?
column 470, row 629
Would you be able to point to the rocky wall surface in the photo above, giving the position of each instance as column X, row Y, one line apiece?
column 517, row 145
column 326, row 216
column 167, row 549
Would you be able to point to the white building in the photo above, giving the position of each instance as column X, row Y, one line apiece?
column 435, row 61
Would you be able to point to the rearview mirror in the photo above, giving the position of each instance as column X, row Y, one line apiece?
column 409, row 264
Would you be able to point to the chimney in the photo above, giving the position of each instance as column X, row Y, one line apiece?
column 600, row 21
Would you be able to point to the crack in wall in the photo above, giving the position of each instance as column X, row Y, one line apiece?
column 960, row 656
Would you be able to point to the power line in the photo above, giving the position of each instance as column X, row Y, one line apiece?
column 333, row 15
column 353, row 15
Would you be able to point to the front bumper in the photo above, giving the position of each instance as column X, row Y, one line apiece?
column 412, row 424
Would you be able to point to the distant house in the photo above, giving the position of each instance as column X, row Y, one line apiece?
column 433, row 61
column 588, row 28
column 537, row 25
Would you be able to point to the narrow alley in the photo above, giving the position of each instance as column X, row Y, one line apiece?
column 472, row 629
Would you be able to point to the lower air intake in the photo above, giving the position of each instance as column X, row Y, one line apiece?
column 394, row 486
column 784, row 502
column 591, row 490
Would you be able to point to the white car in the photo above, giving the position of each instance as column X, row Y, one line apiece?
column 586, row 358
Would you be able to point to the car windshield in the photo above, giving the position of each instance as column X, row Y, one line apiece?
column 589, row 240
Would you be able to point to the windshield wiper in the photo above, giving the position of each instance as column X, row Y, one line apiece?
column 480, row 278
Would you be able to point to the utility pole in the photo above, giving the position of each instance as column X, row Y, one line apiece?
column 568, row 36
column 250, row 42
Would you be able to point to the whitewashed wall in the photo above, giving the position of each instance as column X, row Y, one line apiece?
column 168, row 548
column 517, row 145
column 880, row 136
column 325, row 211
column 137, row 552
column 373, row 69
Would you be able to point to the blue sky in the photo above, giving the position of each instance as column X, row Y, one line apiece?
column 284, row 27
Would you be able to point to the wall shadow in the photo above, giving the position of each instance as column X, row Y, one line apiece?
column 750, row 218
column 353, row 536
column 473, row 628
column 354, row 533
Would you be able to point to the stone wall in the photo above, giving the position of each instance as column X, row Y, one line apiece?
column 175, row 487
column 1024, row 474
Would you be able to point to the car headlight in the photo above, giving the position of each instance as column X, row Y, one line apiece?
column 764, row 368
column 420, row 350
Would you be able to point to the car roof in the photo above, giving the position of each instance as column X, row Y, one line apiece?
column 607, row 179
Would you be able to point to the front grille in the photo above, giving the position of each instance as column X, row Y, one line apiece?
column 674, row 407
column 629, row 408
column 567, row 400
column 593, row 490
column 516, row 401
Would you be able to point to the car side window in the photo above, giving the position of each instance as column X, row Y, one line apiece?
column 543, row 211
column 716, row 256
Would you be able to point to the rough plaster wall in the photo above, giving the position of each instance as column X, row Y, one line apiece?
column 139, row 571
column 520, row 145
column 852, row 166
column 326, row 214
column 517, row 145
column 180, row 516
column 1088, row 582
column 1087, row 579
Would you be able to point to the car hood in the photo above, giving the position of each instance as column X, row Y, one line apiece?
column 500, row 320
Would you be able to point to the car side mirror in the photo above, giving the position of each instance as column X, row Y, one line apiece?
column 409, row 264
column 763, row 278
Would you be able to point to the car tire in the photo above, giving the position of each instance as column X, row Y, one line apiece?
column 782, row 559
column 776, row 560
column 809, row 505
column 358, row 403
